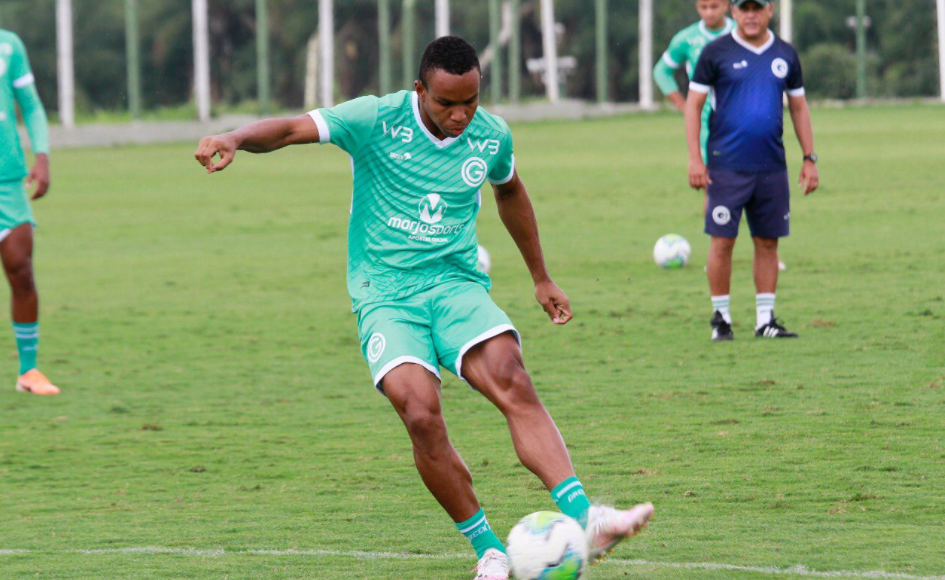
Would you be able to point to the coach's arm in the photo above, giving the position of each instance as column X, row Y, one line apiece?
column 518, row 215
column 800, row 115
column 259, row 137
column 698, row 173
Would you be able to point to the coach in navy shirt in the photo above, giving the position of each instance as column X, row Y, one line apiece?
column 745, row 75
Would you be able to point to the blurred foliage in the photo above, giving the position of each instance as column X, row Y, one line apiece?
column 902, row 46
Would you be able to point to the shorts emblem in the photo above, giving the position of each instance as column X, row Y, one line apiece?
column 376, row 347
column 721, row 215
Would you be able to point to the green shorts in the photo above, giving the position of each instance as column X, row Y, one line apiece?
column 433, row 328
column 15, row 207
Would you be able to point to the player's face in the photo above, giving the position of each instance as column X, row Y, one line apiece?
column 753, row 19
column 450, row 101
column 712, row 12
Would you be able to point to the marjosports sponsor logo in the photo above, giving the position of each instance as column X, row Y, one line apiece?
column 431, row 211
column 779, row 67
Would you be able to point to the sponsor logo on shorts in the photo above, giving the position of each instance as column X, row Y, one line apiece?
column 721, row 215
column 474, row 172
column 376, row 346
column 779, row 67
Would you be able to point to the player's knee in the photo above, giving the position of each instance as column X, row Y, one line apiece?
column 20, row 276
column 516, row 391
column 425, row 426
column 766, row 244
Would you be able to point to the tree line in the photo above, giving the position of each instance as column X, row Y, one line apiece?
column 902, row 57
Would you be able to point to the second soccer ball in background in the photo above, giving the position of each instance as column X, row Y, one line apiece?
column 671, row 252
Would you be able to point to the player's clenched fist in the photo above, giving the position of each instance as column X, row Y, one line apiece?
column 210, row 147
column 698, row 175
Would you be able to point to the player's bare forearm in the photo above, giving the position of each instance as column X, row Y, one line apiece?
column 698, row 174
column 678, row 101
column 259, row 137
column 518, row 215
column 800, row 115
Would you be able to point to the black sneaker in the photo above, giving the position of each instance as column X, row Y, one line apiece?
column 721, row 330
column 774, row 329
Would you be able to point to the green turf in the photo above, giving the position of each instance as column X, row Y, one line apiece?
column 215, row 397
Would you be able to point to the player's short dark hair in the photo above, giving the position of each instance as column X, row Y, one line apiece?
column 451, row 54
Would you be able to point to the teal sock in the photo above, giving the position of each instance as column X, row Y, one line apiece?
column 571, row 500
column 27, row 344
column 480, row 534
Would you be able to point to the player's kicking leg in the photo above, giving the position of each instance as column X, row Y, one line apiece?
column 16, row 251
column 415, row 394
column 496, row 368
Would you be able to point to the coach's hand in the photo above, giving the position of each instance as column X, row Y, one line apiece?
column 554, row 301
column 698, row 174
column 222, row 145
column 39, row 175
column 810, row 177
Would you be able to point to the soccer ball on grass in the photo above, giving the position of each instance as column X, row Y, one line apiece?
column 547, row 546
column 671, row 252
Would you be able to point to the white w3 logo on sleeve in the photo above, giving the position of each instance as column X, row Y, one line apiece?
column 405, row 133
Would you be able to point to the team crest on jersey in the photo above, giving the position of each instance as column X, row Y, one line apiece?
column 779, row 67
column 432, row 208
column 474, row 172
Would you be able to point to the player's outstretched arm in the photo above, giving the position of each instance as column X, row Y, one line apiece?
column 800, row 115
column 518, row 215
column 259, row 137
column 698, row 174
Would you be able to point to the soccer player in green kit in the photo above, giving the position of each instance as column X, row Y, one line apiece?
column 17, row 87
column 686, row 47
column 419, row 161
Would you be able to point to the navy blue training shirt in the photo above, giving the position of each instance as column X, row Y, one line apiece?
column 746, row 85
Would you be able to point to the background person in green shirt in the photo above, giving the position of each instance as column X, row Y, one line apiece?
column 17, row 87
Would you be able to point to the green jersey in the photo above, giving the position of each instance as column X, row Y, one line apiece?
column 686, row 47
column 416, row 197
column 17, row 86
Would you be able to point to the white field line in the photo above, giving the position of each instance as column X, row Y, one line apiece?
column 798, row 570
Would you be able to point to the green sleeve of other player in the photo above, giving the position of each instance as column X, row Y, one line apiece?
column 24, row 90
column 504, row 169
column 350, row 124
column 672, row 59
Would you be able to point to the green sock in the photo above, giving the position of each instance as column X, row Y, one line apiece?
column 571, row 500
column 480, row 534
column 27, row 344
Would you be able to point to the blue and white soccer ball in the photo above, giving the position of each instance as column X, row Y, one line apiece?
column 671, row 252
column 547, row 546
column 485, row 262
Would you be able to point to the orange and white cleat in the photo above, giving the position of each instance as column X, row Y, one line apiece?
column 607, row 527
column 33, row 381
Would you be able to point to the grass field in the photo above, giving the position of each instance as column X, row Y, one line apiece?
column 218, row 420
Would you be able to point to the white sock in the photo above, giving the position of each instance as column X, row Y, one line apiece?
column 764, row 307
column 720, row 305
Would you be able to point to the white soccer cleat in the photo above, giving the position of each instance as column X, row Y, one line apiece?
column 494, row 565
column 607, row 527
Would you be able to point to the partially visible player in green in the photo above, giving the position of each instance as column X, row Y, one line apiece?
column 420, row 160
column 686, row 47
column 17, row 87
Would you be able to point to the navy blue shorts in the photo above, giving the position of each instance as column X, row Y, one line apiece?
column 765, row 197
